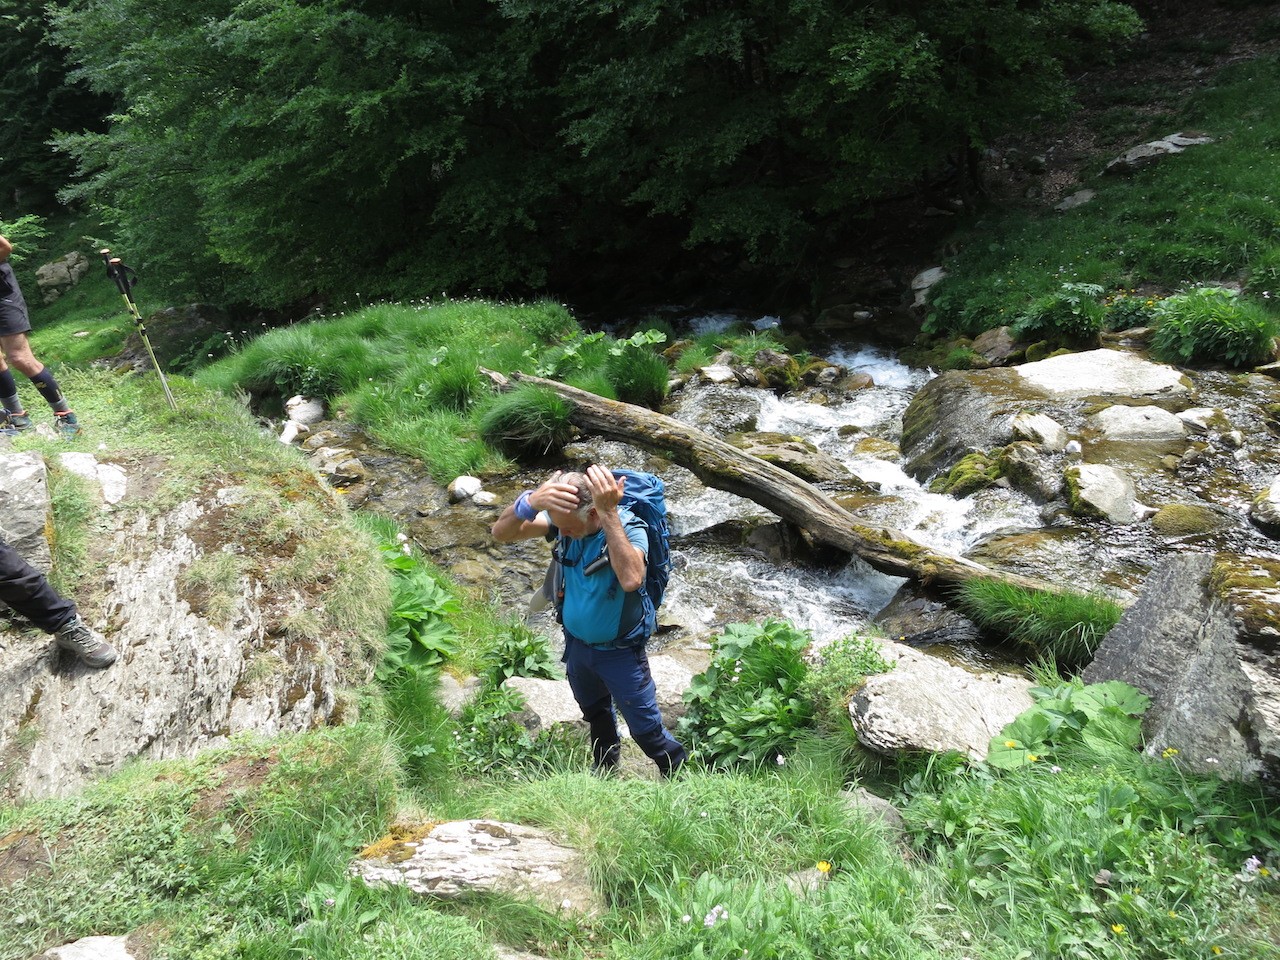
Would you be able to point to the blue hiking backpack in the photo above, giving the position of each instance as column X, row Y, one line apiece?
column 645, row 496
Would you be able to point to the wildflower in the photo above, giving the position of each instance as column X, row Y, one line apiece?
column 824, row 866
column 1032, row 757
column 703, row 814
column 718, row 912
column 1011, row 744
column 1264, row 872
column 329, row 901
column 1168, row 753
column 686, row 918
column 1055, row 769
column 1252, row 865
column 1173, row 914
column 1215, row 950
column 781, row 760
column 565, row 904
column 1118, row 929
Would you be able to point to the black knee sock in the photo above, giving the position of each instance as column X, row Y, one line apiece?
column 48, row 388
column 9, row 392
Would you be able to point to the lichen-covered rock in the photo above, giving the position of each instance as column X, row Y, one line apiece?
column 464, row 857
column 792, row 454
column 1265, row 510
column 925, row 703
column 1030, row 470
column 1189, row 520
column 779, row 370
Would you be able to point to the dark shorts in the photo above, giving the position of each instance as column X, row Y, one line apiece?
column 13, row 309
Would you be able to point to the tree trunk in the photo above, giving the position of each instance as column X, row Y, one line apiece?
column 719, row 465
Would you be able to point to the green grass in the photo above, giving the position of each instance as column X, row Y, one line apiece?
column 1202, row 216
column 1065, row 626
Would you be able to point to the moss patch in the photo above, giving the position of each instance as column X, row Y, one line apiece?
column 974, row 472
column 1249, row 586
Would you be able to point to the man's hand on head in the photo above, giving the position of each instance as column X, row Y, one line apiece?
column 606, row 490
column 554, row 495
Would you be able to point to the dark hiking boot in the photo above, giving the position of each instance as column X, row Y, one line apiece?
column 86, row 643
column 605, row 761
column 16, row 421
column 68, row 425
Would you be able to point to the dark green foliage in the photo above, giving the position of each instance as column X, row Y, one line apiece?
column 528, row 421
column 1074, row 314
column 517, row 652
column 267, row 151
column 746, row 706
column 1065, row 626
column 39, row 101
column 844, row 665
column 1128, row 310
column 1210, row 324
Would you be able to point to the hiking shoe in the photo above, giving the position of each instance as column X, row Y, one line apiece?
column 16, row 421
column 67, row 423
column 86, row 643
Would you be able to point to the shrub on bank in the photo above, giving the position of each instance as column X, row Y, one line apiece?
column 1213, row 324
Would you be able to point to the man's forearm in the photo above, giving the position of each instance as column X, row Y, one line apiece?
column 627, row 560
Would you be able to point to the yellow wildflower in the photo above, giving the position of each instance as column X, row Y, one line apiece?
column 1032, row 757
column 1169, row 752
column 1118, row 929
column 824, row 866
column 1011, row 744
column 1216, row 950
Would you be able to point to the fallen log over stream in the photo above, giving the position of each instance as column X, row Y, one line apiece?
column 719, row 465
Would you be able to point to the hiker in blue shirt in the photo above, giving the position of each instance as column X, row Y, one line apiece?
column 603, row 549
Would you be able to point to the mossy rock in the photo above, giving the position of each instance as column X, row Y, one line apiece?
column 779, row 370
column 974, row 472
column 1038, row 351
column 1271, row 415
column 1249, row 586
column 1188, row 520
column 878, row 448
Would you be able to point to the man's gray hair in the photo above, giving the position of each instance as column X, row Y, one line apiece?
column 583, row 489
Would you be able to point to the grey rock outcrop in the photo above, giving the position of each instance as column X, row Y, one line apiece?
column 997, row 346
column 925, row 703
column 796, row 456
column 1146, row 154
column 182, row 683
column 1043, row 431
column 923, row 281
column 473, row 856
column 1031, row 471
column 24, row 522
column 1122, row 422
column 91, row 948
column 1203, row 641
column 58, row 276
column 1103, row 373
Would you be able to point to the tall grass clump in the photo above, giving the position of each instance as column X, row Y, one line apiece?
column 527, row 422
column 1213, row 324
column 1060, row 624
column 639, row 376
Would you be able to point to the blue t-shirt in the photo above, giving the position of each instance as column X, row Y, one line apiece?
column 596, row 610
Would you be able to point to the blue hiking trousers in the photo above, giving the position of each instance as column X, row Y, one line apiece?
column 600, row 679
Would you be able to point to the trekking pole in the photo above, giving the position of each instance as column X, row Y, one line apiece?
column 125, row 277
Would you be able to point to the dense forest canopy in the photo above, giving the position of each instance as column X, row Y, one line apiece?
column 266, row 151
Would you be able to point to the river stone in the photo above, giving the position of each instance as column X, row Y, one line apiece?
column 464, row 488
column 718, row 373
column 958, row 413
column 925, row 703
column 1097, row 490
column 465, row 857
column 1189, row 519
column 1030, row 471
column 90, row 948
column 1103, row 373
column 923, row 281
column 1201, row 420
column 24, row 491
column 339, row 465
column 1077, row 199
column 997, row 346
column 1265, row 510
column 1120, row 422
column 1043, row 431
column 1201, row 641
column 796, row 456
column 304, row 410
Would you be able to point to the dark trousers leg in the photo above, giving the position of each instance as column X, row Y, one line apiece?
column 25, row 589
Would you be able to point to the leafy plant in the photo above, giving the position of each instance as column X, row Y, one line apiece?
column 843, row 666
column 1106, row 717
column 746, row 707
column 517, row 652
column 1208, row 324
column 1128, row 310
column 1073, row 313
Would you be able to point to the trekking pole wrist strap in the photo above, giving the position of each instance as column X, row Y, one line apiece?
column 524, row 509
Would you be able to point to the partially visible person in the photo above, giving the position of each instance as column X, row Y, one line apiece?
column 15, row 323
column 603, row 549
column 25, row 589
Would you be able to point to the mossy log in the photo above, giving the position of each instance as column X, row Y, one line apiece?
column 719, row 465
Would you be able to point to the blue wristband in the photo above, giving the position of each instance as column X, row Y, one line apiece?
column 523, row 509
